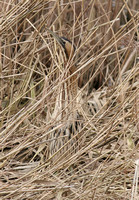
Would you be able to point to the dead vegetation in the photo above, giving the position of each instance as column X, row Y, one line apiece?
column 105, row 34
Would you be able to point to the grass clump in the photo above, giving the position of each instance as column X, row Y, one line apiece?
column 31, row 72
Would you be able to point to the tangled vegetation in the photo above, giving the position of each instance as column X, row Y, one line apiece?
column 106, row 36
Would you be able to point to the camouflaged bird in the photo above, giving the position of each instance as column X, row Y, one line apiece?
column 65, row 140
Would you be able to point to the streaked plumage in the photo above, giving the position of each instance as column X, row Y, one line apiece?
column 65, row 111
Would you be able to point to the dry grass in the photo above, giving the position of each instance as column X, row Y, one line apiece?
column 31, row 70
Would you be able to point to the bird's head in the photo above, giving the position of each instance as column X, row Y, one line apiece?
column 67, row 45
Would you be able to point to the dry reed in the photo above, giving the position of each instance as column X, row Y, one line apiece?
column 31, row 70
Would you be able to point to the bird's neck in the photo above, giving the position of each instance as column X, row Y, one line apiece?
column 66, row 100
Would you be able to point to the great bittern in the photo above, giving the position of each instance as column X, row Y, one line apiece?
column 65, row 111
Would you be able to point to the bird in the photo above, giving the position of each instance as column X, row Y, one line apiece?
column 65, row 111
